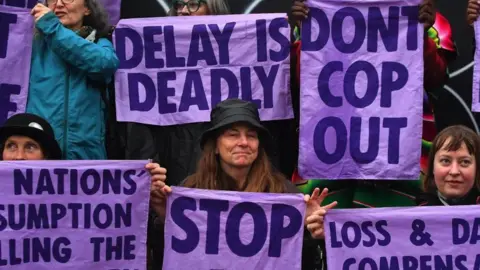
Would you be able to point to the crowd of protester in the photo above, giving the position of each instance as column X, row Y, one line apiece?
column 73, row 62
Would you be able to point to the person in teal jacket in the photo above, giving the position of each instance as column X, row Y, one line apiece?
column 71, row 62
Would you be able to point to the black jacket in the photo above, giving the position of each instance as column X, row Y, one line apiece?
column 431, row 199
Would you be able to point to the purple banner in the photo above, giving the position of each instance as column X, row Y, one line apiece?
column 208, row 230
column 175, row 70
column 403, row 238
column 476, row 70
column 20, row 3
column 113, row 9
column 361, row 90
column 73, row 215
column 16, row 34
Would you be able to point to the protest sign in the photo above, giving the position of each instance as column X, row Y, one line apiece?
column 403, row 238
column 16, row 35
column 73, row 215
column 476, row 70
column 19, row 3
column 233, row 230
column 361, row 90
column 175, row 70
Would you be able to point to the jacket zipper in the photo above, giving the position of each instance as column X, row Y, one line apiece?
column 65, row 116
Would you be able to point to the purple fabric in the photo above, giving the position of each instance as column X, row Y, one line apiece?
column 174, row 70
column 403, row 238
column 476, row 70
column 361, row 94
column 233, row 230
column 113, row 9
column 16, row 34
column 68, row 203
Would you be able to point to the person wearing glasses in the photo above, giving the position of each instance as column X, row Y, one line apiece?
column 198, row 8
column 71, row 57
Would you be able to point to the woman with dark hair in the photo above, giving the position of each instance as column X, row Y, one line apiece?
column 71, row 60
column 234, row 158
column 452, row 176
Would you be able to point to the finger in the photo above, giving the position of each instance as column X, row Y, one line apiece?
column 158, row 170
column 150, row 166
column 315, row 193
column 472, row 18
column 166, row 190
column 314, row 219
column 299, row 6
column 35, row 9
column 313, row 227
column 159, row 178
column 299, row 12
column 306, row 198
column 330, row 205
column 299, row 15
column 427, row 9
column 473, row 11
column 320, row 212
column 322, row 196
column 473, row 5
column 159, row 184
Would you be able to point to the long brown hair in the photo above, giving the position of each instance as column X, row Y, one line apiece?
column 210, row 175
column 456, row 136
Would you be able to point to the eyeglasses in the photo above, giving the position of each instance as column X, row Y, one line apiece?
column 192, row 5
column 54, row 2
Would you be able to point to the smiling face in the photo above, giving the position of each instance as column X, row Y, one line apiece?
column 454, row 171
column 70, row 12
column 22, row 148
column 237, row 146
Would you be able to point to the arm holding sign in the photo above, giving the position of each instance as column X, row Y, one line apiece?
column 94, row 58
column 438, row 46
column 472, row 11
column 159, row 174
column 299, row 12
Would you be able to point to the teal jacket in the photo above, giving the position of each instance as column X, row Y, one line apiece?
column 62, row 61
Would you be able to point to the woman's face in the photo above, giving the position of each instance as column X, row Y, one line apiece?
column 238, row 146
column 191, row 7
column 70, row 12
column 22, row 148
column 454, row 171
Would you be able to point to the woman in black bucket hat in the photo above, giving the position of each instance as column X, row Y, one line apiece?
column 234, row 158
column 28, row 137
column 235, row 145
